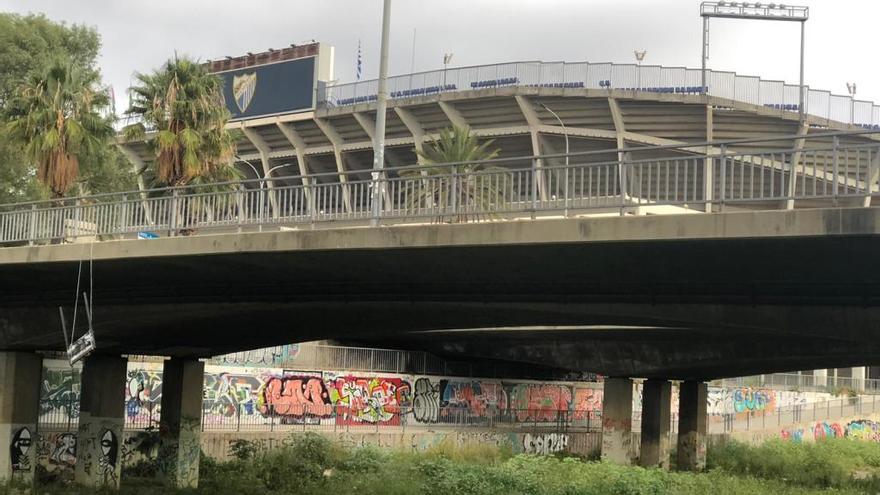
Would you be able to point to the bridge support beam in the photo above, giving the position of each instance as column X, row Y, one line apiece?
column 693, row 399
column 181, row 422
column 20, row 374
column 101, row 420
column 617, row 421
column 656, row 404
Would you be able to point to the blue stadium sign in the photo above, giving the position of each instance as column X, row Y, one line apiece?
column 270, row 89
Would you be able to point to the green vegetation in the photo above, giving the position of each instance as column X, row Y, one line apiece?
column 56, row 119
column 831, row 463
column 183, row 103
column 464, row 192
column 29, row 45
column 311, row 464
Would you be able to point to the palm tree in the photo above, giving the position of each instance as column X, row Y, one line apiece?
column 56, row 117
column 183, row 103
column 468, row 189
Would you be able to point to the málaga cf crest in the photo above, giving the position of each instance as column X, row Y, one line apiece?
column 243, row 88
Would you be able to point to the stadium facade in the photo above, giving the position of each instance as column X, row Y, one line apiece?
column 295, row 120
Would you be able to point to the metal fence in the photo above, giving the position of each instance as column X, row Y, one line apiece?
column 835, row 409
column 828, row 170
column 644, row 78
column 813, row 383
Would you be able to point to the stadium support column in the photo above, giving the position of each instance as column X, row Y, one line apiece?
column 617, row 421
column 693, row 398
column 101, row 420
column 656, row 404
column 181, row 422
column 20, row 374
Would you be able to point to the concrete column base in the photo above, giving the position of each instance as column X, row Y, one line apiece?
column 20, row 375
column 180, row 425
column 693, row 401
column 656, row 404
column 101, row 421
column 617, row 421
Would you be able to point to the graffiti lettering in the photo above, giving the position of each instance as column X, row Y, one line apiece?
column 545, row 444
column 426, row 401
column 368, row 400
column 291, row 397
column 541, row 403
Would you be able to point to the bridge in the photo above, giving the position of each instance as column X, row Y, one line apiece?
column 687, row 261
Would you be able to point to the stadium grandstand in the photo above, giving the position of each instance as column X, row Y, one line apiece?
column 301, row 123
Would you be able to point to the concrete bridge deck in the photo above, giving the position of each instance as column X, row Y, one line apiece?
column 674, row 296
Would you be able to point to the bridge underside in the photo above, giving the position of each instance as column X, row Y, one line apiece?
column 690, row 296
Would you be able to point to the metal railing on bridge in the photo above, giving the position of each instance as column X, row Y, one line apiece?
column 689, row 176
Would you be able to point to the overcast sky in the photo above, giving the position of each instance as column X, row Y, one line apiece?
column 140, row 35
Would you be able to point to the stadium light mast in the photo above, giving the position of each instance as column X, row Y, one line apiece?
column 759, row 11
column 381, row 108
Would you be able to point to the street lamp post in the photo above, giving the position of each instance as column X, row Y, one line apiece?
column 851, row 89
column 564, row 131
column 381, row 106
column 640, row 55
column 447, row 58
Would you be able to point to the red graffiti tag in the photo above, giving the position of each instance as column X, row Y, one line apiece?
column 295, row 396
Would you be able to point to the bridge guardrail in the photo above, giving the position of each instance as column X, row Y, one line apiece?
column 687, row 176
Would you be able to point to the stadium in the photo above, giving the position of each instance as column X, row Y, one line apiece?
column 301, row 123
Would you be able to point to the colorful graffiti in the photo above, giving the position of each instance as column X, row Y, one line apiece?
column 863, row 429
column 59, row 394
column 143, row 395
column 539, row 402
column 825, row 429
column 587, row 404
column 229, row 395
column 295, row 398
column 374, row 400
column 478, row 397
column 747, row 399
column 794, row 434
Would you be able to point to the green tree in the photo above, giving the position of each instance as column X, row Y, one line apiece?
column 472, row 192
column 27, row 45
column 56, row 118
column 183, row 104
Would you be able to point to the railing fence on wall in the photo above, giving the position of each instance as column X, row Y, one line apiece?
column 834, row 409
column 767, row 177
column 804, row 382
column 647, row 78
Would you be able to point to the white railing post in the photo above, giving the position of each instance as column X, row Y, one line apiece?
column 33, row 225
column 723, row 179
column 172, row 220
column 836, row 153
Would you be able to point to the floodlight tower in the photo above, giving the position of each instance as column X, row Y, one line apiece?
column 745, row 10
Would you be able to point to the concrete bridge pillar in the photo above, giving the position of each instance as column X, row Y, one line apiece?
column 101, row 421
column 693, row 399
column 180, row 425
column 617, row 421
column 656, row 404
column 20, row 374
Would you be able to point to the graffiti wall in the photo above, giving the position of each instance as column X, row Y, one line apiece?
column 757, row 401
column 859, row 429
column 239, row 398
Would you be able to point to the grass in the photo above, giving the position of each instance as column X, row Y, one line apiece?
column 312, row 464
